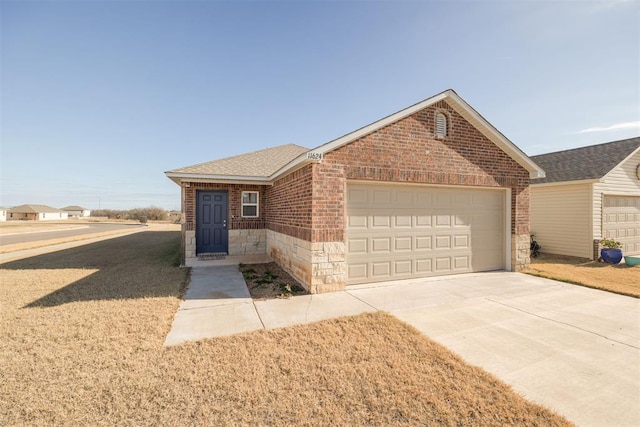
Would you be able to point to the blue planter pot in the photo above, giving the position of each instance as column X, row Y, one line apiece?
column 612, row 256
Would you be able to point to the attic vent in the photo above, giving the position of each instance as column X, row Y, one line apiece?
column 441, row 124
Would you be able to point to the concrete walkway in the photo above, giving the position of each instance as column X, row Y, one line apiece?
column 573, row 349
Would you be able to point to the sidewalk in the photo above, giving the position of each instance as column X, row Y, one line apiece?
column 217, row 303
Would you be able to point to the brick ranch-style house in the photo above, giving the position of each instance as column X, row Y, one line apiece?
column 431, row 190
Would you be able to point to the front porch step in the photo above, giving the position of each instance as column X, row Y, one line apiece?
column 212, row 256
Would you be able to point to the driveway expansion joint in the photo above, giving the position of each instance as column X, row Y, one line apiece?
column 258, row 313
column 362, row 301
column 564, row 323
column 214, row 305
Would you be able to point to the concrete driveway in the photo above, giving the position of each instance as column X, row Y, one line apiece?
column 573, row 349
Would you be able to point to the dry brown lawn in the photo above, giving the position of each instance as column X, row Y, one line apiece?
column 620, row 278
column 81, row 334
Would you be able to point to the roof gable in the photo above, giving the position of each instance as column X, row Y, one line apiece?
column 74, row 208
column 462, row 108
column 585, row 163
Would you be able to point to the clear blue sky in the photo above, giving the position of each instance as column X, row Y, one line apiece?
column 99, row 98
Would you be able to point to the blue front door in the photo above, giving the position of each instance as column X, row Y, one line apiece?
column 211, row 222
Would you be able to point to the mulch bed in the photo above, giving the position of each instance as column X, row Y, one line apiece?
column 268, row 281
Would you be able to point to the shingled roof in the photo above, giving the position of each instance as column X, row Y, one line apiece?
column 262, row 163
column 34, row 209
column 73, row 208
column 592, row 162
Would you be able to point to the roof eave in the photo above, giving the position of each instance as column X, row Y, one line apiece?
column 577, row 181
column 311, row 156
column 179, row 178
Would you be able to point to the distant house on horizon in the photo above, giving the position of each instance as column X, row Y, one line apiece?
column 36, row 213
column 77, row 211
column 589, row 193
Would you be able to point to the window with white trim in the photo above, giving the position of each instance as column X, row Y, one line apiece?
column 441, row 125
column 250, row 204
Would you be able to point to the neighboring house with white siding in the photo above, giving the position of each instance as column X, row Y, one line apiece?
column 3, row 214
column 588, row 193
column 77, row 211
column 36, row 213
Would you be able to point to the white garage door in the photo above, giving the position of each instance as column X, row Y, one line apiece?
column 401, row 232
column 621, row 221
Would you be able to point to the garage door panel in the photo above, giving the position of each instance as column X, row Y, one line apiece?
column 621, row 221
column 380, row 221
column 381, row 270
column 357, row 270
column 357, row 221
column 423, row 221
column 381, row 245
column 443, row 264
column 357, row 246
column 443, row 242
column 422, row 231
column 403, row 268
column 423, row 266
column 403, row 244
column 403, row 221
column 423, row 242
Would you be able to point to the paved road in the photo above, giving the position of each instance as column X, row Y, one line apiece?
column 92, row 228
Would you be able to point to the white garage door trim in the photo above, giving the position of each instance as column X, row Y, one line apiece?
column 462, row 250
column 621, row 221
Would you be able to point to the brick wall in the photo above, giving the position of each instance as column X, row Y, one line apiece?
column 234, row 191
column 289, row 204
column 329, row 197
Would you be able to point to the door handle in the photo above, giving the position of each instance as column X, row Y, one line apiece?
column 224, row 223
